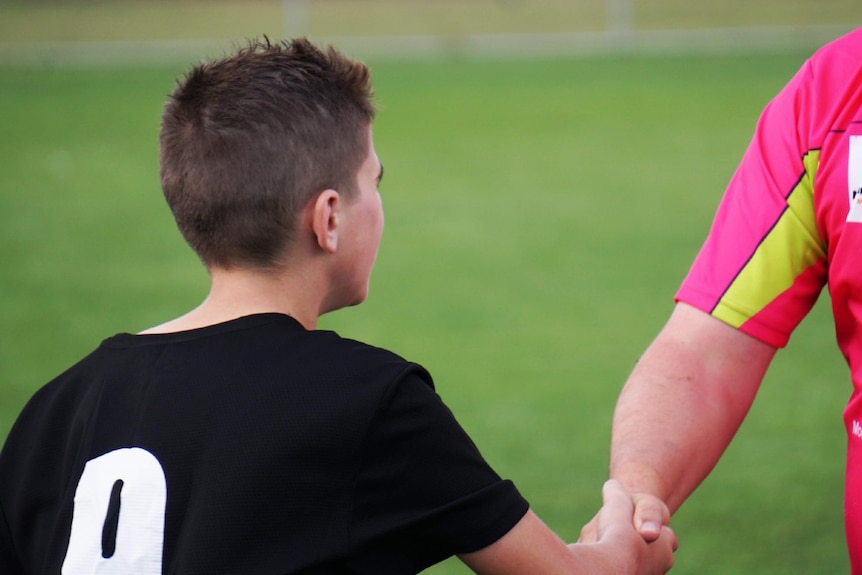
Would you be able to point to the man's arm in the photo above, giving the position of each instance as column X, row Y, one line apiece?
column 531, row 547
column 680, row 408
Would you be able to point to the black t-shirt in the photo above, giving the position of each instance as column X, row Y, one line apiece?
column 253, row 446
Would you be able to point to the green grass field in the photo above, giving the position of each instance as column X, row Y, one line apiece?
column 540, row 215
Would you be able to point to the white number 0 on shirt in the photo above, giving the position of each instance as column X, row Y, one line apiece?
column 118, row 523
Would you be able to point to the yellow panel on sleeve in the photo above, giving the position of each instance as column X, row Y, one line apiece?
column 793, row 245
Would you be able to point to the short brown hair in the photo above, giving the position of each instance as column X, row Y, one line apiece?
column 248, row 140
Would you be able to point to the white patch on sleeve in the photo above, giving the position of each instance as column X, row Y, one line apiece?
column 854, row 179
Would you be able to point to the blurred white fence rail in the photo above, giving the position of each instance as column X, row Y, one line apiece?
column 124, row 32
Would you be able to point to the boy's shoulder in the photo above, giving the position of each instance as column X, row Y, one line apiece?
column 267, row 348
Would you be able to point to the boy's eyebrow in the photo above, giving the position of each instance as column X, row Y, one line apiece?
column 380, row 175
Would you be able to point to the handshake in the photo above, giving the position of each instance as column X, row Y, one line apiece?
column 609, row 545
column 633, row 529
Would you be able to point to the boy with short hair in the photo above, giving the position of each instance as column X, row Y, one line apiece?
column 238, row 438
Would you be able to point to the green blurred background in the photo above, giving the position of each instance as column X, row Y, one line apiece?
column 551, row 169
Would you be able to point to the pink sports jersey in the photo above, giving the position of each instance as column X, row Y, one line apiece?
column 790, row 223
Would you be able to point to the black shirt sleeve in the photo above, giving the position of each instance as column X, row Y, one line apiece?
column 425, row 492
column 8, row 556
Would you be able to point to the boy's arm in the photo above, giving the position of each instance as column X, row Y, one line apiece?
column 531, row 547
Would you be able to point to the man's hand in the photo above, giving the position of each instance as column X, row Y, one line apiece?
column 649, row 516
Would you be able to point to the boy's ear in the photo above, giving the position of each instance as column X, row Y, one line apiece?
column 324, row 220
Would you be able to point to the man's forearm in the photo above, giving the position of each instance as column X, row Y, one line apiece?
column 683, row 403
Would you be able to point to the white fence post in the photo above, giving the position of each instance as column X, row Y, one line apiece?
column 619, row 15
column 294, row 17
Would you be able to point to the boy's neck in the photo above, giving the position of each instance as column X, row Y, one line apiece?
column 238, row 293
